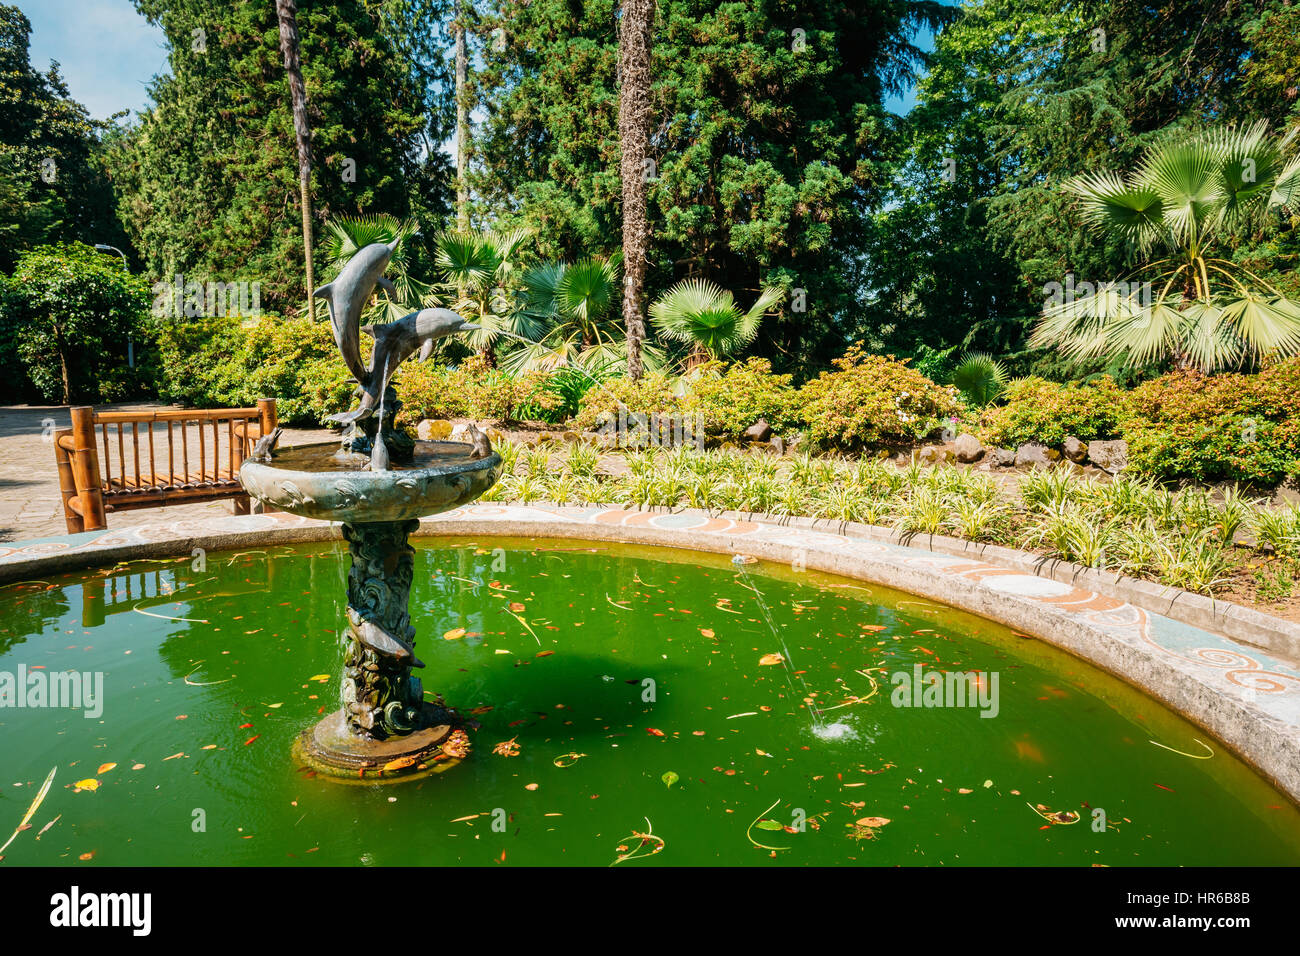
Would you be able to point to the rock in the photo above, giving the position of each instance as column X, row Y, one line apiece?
column 1109, row 456
column 967, row 448
column 571, row 437
column 778, row 444
column 433, row 429
column 759, row 431
column 1034, row 455
column 1075, row 450
column 934, row 455
column 1002, row 457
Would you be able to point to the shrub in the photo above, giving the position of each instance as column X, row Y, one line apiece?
column 1043, row 411
column 66, row 316
column 471, row 390
column 731, row 400
column 217, row 362
column 873, row 400
column 1226, row 427
column 653, row 393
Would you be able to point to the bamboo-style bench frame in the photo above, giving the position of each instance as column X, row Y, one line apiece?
column 91, row 487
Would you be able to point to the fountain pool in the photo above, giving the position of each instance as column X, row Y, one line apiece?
column 654, row 702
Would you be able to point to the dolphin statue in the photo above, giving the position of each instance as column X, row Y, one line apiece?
column 347, row 296
column 380, row 641
column 395, row 342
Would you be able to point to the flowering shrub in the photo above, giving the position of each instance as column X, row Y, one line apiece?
column 1042, row 411
column 730, row 400
column 873, row 400
column 653, row 393
column 1230, row 427
column 470, row 390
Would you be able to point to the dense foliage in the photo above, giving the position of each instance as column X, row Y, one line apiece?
column 67, row 315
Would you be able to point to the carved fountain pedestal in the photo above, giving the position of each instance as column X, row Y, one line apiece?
column 378, row 484
column 385, row 725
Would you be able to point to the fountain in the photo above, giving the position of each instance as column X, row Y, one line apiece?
column 378, row 484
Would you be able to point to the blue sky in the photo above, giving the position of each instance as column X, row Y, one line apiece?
column 108, row 52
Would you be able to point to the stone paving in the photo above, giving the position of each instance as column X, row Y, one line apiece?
column 30, row 505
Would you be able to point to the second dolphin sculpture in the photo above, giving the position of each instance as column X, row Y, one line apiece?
column 394, row 343
column 346, row 297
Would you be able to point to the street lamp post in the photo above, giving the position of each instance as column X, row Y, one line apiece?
column 130, row 345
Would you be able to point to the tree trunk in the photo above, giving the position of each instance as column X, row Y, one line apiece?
column 287, row 12
column 462, row 127
column 634, row 42
column 62, row 349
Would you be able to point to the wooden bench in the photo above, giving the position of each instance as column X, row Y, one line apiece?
column 93, row 484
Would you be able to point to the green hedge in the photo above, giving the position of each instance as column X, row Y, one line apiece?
column 1034, row 409
column 220, row 363
column 1243, row 428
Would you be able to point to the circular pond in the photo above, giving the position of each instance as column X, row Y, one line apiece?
column 636, row 706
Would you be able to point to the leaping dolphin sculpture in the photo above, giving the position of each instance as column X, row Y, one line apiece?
column 395, row 342
column 347, row 296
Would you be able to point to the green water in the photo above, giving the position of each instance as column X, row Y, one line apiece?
column 229, row 687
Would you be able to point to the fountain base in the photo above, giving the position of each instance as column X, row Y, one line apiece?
column 329, row 747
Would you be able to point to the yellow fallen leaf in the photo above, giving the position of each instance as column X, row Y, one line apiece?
column 319, row 677
column 454, row 633
column 90, row 783
column 707, row 632
column 137, row 766
column 105, row 767
column 472, row 816
column 399, row 763
column 517, row 607
column 771, row 659
column 872, row 822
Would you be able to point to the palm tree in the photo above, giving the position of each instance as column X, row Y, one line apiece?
column 348, row 234
column 980, row 377
column 575, row 303
column 287, row 15
column 481, row 273
column 635, row 36
column 704, row 315
column 1188, row 198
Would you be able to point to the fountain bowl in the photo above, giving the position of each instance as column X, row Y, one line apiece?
column 317, row 481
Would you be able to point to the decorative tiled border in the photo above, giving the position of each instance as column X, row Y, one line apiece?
column 1245, row 696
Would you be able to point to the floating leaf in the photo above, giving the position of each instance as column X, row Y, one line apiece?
column 517, row 607
column 90, row 783
column 399, row 764
column 669, row 778
column 454, row 634
column 769, row 659
column 105, row 767
column 31, row 811
column 319, row 677
column 768, row 825
column 873, row 822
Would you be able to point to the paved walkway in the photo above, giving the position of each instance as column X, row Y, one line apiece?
column 30, row 505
